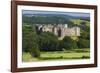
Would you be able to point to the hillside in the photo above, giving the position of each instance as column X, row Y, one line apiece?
column 51, row 19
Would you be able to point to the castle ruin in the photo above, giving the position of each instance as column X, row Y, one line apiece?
column 60, row 30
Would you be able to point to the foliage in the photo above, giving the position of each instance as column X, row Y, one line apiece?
column 48, row 41
column 85, row 33
column 83, row 43
column 69, row 43
column 29, row 40
column 46, row 20
column 35, row 52
column 84, row 39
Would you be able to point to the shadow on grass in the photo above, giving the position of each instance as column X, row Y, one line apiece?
column 61, row 57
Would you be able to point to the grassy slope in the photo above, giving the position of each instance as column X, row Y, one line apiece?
column 69, row 55
column 78, row 21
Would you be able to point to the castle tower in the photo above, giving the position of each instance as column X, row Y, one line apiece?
column 77, row 31
column 55, row 31
column 66, row 25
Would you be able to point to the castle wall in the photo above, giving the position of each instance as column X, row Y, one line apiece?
column 61, row 31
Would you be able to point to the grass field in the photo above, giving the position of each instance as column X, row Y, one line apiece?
column 61, row 55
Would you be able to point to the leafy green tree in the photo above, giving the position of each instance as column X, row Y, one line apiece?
column 48, row 42
column 84, row 39
column 69, row 43
column 29, row 40
column 85, row 34
column 83, row 43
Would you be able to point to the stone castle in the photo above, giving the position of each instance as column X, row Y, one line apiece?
column 60, row 30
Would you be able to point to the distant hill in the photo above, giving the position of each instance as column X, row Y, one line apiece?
column 63, row 15
column 51, row 19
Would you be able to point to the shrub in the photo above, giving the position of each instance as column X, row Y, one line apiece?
column 35, row 53
column 85, row 57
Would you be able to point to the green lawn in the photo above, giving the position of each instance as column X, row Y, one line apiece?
column 61, row 55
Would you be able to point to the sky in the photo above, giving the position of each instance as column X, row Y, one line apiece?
column 76, row 14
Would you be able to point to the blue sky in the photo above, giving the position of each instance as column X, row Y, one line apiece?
column 76, row 14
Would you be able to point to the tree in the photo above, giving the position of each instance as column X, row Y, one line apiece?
column 48, row 42
column 69, row 43
column 85, row 34
column 83, row 43
column 30, row 41
column 84, row 39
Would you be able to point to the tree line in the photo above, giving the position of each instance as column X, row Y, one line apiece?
column 47, row 20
